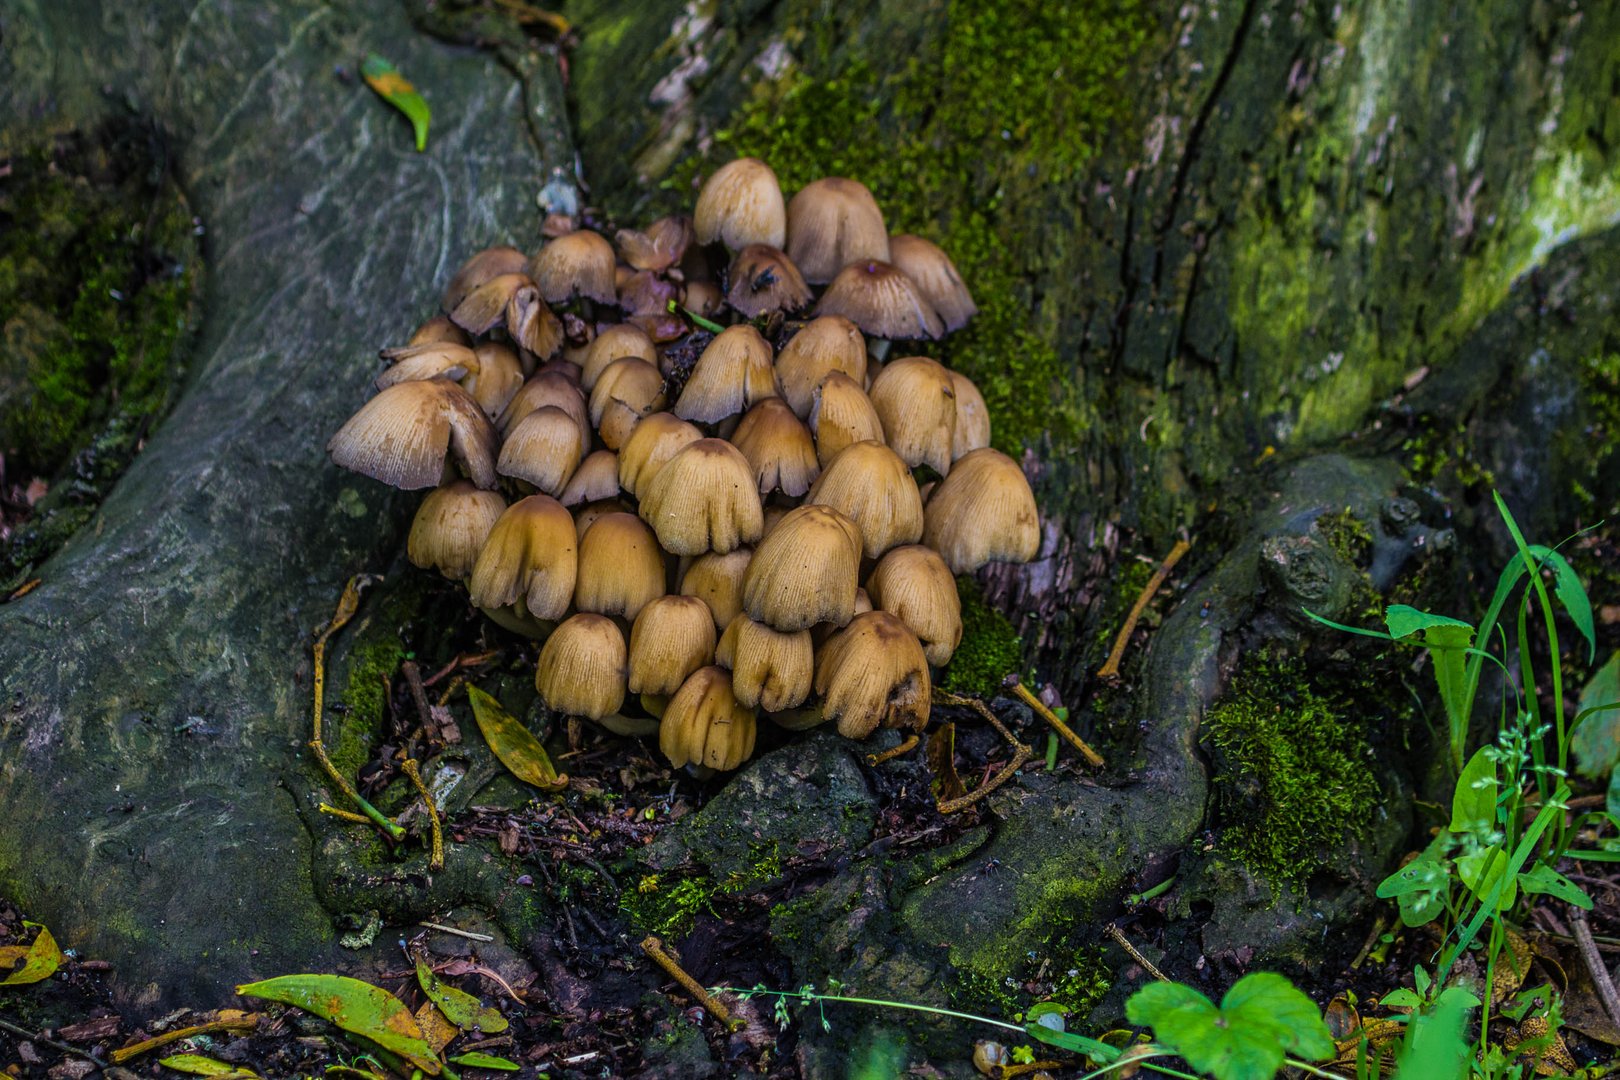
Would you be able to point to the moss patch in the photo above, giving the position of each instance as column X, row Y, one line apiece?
column 990, row 650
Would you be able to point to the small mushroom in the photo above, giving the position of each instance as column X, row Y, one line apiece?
column 873, row 673
column 935, row 277
column 741, row 204
column 824, row 345
column 882, row 301
column 582, row 667
column 530, row 558
column 841, row 415
column 531, row 324
column 549, row 387
column 972, row 418
column 654, row 441
column 770, row 670
column 579, row 263
column 778, row 448
column 733, row 372
column 621, row 569
column 657, row 247
column 450, row 526
column 488, row 306
column 868, row 483
column 704, row 724
column 597, row 478
column 913, row 583
column 984, row 511
column 585, row 516
column 498, row 379
column 763, row 281
column 402, row 435
column 543, row 449
column 489, row 263
column 916, row 401
column 717, row 580
column 436, row 361
column 672, row 637
column 440, row 329
column 627, row 391
column 831, row 223
column 704, row 499
column 615, row 343
column 806, row 572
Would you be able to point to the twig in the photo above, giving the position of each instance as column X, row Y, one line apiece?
column 436, row 860
column 468, row 934
column 1022, row 752
column 1125, row 943
column 1380, row 924
column 24, row 1033
column 1595, row 966
column 893, row 752
column 345, row 815
column 655, row 949
column 413, row 679
column 245, row 1022
column 1110, row 670
column 1094, row 759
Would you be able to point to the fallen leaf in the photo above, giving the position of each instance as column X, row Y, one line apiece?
column 198, row 1065
column 30, row 963
column 511, row 742
column 460, row 1007
column 397, row 90
column 475, row 1060
column 437, row 1032
column 354, row 1006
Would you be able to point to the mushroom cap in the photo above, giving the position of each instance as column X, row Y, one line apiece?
column 579, row 263
column 531, row 324
column 831, row 223
column 498, row 379
column 672, row 637
column 704, row 724
column 873, row 672
column 531, row 557
column 806, row 571
column 401, row 436
column 582, row 667
column 916, row 402
column 657, row 247
column 547, row 387
column 621, row 569
column 439, row 360
column 882, row 301
column 770, row 670
column 824, row 345
column 984, row 511
column 913, row 583
column 778, row 447
column 972, row 417
column 615, row 343
column 490, row 263
column 936, row 278
column 487, row 306
column 704, row 499
column 543, row 449
column 450, row 526
column 585, row 516
column 597, row 478
column 645, row 293
column 741, row 204
column 763, row 280
column 702, row 297
column 717, row 580
column 733, row 372
column 868, row 483
column 627, row 391
column 440, row 329
column 820, row 632
column 841, row 415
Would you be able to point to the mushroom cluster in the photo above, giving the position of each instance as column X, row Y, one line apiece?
column 680, row 460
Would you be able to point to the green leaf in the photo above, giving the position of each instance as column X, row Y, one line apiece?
column 474, row 1060
column 1473, row 801
column 1434, row 1048
column 397, row 90
column 518, row 750
column 354, row 1006
column 1421, row 885
column 31, row 963
column 1571, row 593
column 1400, row 999
column 198, row 1065
column 1482, row 870
column 1596, row 741
column 1404, row 621
column 1262, row 1019
column 1544, row 879
column 1074, row 1044
column 1612, row 801
column 458, row 1006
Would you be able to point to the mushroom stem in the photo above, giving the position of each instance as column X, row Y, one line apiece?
column 694, row 318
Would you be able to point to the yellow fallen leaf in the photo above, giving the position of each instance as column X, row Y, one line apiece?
column 30, row 963
column 511, row 742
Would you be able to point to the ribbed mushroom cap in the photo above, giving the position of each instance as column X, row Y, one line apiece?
column 401, row 436
column 871, row 486
column 582, row 667
column 984, row 511
column 487, row 306
column 913, row 583
column 487, row 264
column 596, row 478
column 717, row 580
column 770, row 670
column 972, row 418
column 916, row 401
column 577, row 264
column 621, row 569
column 450, row 526
column 672, row 637
column 543, row 449
column 530, row 558
column 498, row 379
column 763, row 280
column 820, row 632
column 806, row 571
column 733, row 373
column 440, row 360
column 440, row 329
column 585, row 516
column 842, row 415
column 654, row 441
column 657, row 247
column 778, row 448
column 531, row 324
column 833, row 222
column 705, row 725
column 830, row 343
column 627, row 391
column 741, row 204
column 871, row 673
column 936, row 278
column 549, row 387
column 615, row 343
column 704, row 499
column 881, row 301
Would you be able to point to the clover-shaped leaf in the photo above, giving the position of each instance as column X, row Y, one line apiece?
column 1262, row 1019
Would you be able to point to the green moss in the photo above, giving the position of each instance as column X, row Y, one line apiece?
column 667, row 908
column 371, row 664
column 1347, row 535
column 1441, row 455
column 990, row 650
column 1292, row 773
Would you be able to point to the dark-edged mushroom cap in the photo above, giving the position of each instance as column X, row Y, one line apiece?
column 579, row 263
column 621, row 569
column 597, row 478
column 741, row 204
column 401, row 436
column 450, row 526
column 543, row 449
column 657, row 247
column 733, row 372
column 704, row 724
column 805, row 572
column 873, row 673
column 831, row 223
column 824, row 345
column 672, row 637
column 627, row 391
column 717, row 580
column 881, row 301
column 916, row 401
column 868, row 483
column 770, row 670
column 913, row 583
column 763, row 280
column 437, row 361
column 704, row 499
column 778, row 448
column 582, row 667
column 936, row 278
column 529, row 560
column 489, row 263
column 984, row 511
column 841, row 415
column 655, row 440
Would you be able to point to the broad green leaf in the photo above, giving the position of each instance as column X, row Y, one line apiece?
column 1421, row 885
column 1473, row 801
column 458, row 1006
column 474, row 1060
column 1596, row 742
column 1400, row 999
column 1571, row 593
column 1544, row 879
column 198, row 1065
column 1447, row 641
column 1261, row 1019
column 397, row 90
column 1482, row 870
column 354, row 1006
column 518, row 750
column 1434, row 1048
column 38, row 960
column 1404, row 621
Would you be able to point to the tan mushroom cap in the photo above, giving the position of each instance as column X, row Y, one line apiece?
column 487, row 306
column 733, row 372
column 657, row 247
column 585, row 516
column 621, row 569
column 916, row 401
column 582, row 667
column 579, row 263
column 833, row 222
column 881, row 301
column 498, row 379
column 806, row 572
column 440, row 329
column 627, row 391
column 672, row 637
column 868, row 483
column 972, row 417
column 936, row 278
column 984, row 511
column 741, row 204
column 704, row 499
column 770, row 670
column 717, row 580
column 871, row 673
column 530, row 559
column 704, row 724
column 778, row 447
column 615, row 343
column 764, row 280
column 913, row 583
column 820, row 632
column 597, row 478
column 549, row 387
column 489, row 263
column 436, row 361
column 531, row 324
column 543, row 449
column 650, row 446
column 825, row 345
column 402, row 435
column 450, row 526
column 841, row 415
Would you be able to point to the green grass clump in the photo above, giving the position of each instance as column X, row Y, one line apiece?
column 990, row 650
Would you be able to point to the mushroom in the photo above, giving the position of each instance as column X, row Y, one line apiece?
column 579, row 263
column 833, row 222
column 657, row 247
column 916, row 401
column 547, row 388
column 741, row 204
column 627, row 391
column 717, row 580
column 806, row 572
column 615, row 343
column 597, row 478
column 543, row 449
column 983, row 512
column 498, row 379
column 450, row 526
column 871, row 486
column 582, row 667
column 763, row 281
column 529, row 559
column 913, row 583
column 770, row 670
column 440, row 360
column 489, row 305
column 972, row 418
column 654, row 441
column 440, row 329
column 645, row 293
column 704, row 499
column 873, row 672
column 402, row 435
column 841, row 415
column 827, row 344
column 672, row 637
column 702, row 298
column 586, row 516
column 621, row 569
column 778, row 448
column 703, row 723
column 733, row 372
column 881, row 301
column 935, row 277
column 530, row 323
column 489, row 263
